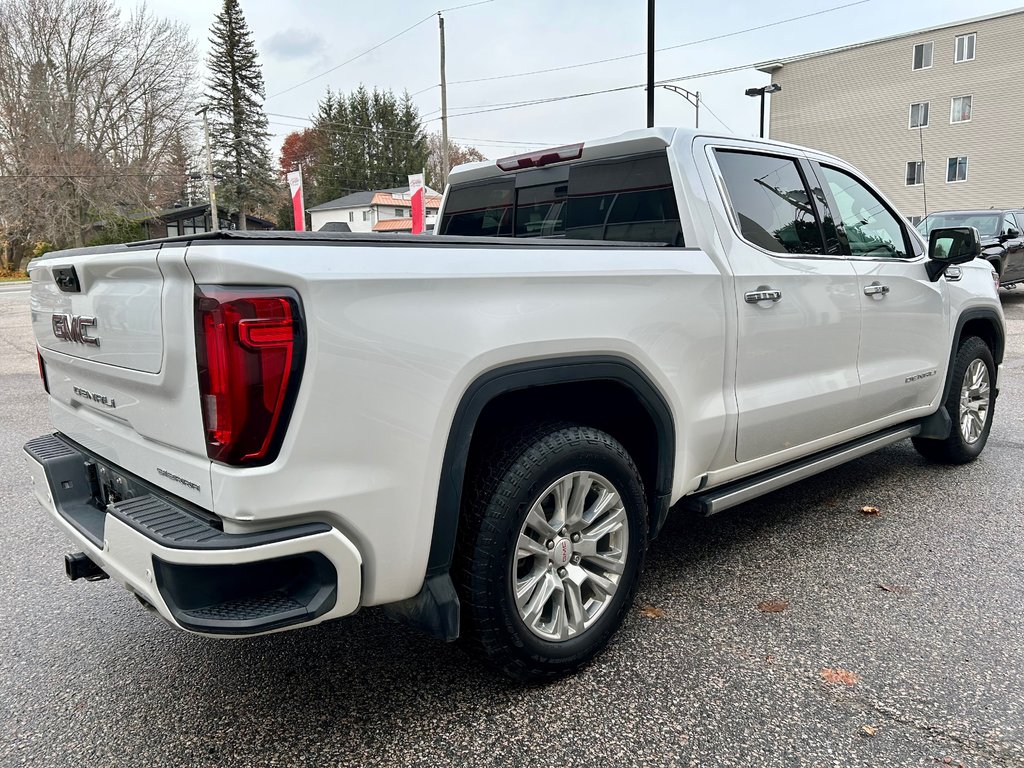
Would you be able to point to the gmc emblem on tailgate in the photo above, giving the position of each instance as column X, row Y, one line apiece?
column 74, row 328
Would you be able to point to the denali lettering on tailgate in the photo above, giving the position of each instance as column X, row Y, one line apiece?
column 96, row 397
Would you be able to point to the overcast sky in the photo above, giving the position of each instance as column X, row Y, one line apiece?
column 298, row 40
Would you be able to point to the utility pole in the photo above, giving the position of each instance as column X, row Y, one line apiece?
column 214, row 218
column 445, row 159
column 650, row 63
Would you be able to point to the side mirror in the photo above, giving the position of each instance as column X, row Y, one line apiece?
column 953, row 245
column 1012, row 234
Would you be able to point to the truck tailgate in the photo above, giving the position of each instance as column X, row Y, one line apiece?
column 115, row 331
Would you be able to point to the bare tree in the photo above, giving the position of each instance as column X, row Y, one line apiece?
column 91, row 102
column 457, row 154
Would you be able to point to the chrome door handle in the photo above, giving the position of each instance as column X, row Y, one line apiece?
column 763, row 293
column 876, row 290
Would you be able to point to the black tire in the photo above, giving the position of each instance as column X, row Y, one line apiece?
column 956, row 449
column 503, row 487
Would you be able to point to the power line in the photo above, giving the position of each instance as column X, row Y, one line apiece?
column 378, row 45
column 467, row 5
column 349, row 61
column 720, row 120
column 354, row 128
column 532, row 102
column 424, row 90
column 87, row 175
column 657, row 50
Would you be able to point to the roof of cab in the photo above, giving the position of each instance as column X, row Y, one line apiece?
column 631, row 142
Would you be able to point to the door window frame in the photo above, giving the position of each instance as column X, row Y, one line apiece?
column 911, row 244
column 803, row 169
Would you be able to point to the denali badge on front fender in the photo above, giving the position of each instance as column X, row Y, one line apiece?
column 74, row 328
column 919, row 376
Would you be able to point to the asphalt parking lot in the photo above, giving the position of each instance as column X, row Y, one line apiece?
column 901, row 642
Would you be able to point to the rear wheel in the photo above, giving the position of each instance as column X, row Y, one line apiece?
column 969, row 404
column 552, row 544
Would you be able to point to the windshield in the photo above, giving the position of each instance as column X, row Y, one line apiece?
column 987, row 224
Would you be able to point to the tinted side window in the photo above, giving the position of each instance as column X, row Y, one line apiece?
column 871, row 229
column 629, row 199
column 480, row 209
column 771, row 202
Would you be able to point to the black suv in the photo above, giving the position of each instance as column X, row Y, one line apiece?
column 1001, row 237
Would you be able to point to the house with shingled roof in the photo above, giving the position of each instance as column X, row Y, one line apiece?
column 383, row 210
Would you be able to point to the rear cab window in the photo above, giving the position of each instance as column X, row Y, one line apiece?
column 625, row 199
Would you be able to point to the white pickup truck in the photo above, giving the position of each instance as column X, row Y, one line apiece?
column 481, row 430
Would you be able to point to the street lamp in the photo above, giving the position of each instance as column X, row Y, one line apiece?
column 773, row 88
column 690, row 96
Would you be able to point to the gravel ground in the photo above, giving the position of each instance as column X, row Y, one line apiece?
column 919, row 607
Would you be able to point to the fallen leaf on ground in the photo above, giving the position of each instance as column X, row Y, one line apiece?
column 652, row 612
column 870, row 510
column 773, row 606
column 868, row 730
column 843, row 676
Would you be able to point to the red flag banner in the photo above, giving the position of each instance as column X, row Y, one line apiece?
column 298, row 204
column 419, row 203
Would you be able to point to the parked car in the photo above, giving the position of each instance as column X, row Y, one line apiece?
column 481, row 430
column 1002, row 237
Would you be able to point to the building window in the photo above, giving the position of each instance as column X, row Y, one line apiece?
column 922, row 56
column 919, row 115
column 915, row 173
column 193, row 226
column 366, row 215
column 399, row 212
column 956, row 169
column 915, row 220
column 960, row 109
column 351, row 215
column 965, row 48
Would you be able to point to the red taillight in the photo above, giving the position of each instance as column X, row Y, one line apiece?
column 541, row 158
column 249, row 347
column 42, row 370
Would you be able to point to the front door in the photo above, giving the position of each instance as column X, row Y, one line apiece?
column 1014, row 247
column 904, row 343
column 797, row 303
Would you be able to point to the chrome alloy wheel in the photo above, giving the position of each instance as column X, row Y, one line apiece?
column 975, row 393
column 570, row 556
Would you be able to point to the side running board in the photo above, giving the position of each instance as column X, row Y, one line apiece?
column 740, row 491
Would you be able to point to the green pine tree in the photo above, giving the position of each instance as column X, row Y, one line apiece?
column 238, row 125
column 370, row 140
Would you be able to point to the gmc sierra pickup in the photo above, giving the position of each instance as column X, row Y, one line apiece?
column 482, row 430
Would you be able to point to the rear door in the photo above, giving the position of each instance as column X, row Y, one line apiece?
column 904, row 334
column 1014, row 246
column 797, row 300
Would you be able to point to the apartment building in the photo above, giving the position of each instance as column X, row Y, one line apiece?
column 935, row 117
